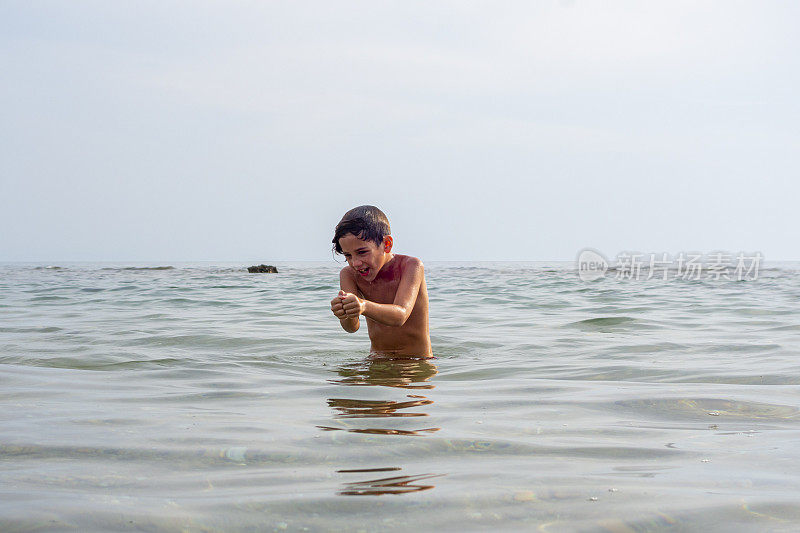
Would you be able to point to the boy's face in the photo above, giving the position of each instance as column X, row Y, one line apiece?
column 365, row 257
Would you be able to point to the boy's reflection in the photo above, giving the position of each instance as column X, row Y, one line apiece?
column 387, row 485
column 405, row 373
column 402, row 373
column 397, row 373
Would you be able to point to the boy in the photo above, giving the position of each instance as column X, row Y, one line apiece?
column 388, row 289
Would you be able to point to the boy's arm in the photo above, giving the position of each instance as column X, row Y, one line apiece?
column 397, row 312
column 348, row 285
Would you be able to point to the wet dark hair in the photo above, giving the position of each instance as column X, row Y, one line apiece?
column 366, row 222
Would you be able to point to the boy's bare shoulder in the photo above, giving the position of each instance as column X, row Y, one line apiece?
column 407, row 261
column 347, row 272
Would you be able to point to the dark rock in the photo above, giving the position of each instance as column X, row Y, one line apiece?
column 266, row 269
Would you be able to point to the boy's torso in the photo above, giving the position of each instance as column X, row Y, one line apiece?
column 413, row 337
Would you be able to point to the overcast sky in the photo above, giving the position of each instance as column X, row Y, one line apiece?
column 242, row 131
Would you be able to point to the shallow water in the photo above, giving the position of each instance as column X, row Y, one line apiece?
column 204, row 398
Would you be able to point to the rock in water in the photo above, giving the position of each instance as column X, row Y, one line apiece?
column 267, row 269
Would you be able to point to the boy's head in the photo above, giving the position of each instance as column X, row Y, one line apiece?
column 364, row 237
column 366, row 222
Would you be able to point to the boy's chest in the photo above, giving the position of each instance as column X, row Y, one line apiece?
column 381, row 293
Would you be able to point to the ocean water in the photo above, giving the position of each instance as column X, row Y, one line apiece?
column 203, row 398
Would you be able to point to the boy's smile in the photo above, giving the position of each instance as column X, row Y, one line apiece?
column 365, row 257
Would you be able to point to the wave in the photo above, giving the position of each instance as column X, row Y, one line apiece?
column 603, row 321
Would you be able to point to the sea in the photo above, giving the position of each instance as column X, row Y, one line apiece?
column 183, row 397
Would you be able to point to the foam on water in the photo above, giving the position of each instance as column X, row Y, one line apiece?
column 201, row 397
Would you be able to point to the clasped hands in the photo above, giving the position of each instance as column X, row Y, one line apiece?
column 347, row 305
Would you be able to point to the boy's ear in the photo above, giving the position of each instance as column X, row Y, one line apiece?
column 387, row 244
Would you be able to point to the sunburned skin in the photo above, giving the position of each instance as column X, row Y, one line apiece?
column 389, row 291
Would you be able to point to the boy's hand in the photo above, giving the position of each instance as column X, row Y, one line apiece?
column 353, row 305
column 338, row 307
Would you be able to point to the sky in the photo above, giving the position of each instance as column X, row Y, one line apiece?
column 243, row 130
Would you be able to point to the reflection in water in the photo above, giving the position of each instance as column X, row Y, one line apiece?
column 405, row 373
column 375, row 408
column 382, row 431
column 388, row 485
column 396, row 373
